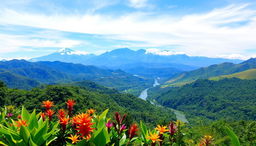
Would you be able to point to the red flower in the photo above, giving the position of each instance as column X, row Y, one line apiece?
column 43, row 116
column 118, row 118
column 61, row 113
column 172, row 128
column 50, row 113
column 70, row 104
column 64, row 123
column 132, row 131
column 47, row 104
column 83, row 125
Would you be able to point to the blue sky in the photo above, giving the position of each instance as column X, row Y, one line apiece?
column 214, row 28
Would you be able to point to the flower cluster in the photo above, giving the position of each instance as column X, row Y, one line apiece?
column 89, row 128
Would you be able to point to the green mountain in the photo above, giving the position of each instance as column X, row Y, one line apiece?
column 17, row 81
column 245, row 75
column 87, row 95
column 229, row 99
column 60, row 72
column 211, row 71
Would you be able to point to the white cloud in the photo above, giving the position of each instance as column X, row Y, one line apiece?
column 14, row 43
column 208, row 34
column 238, row 56
column 138, row 3
column 162, row 52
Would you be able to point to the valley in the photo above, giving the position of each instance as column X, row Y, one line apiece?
column 144, row 95
column 127, row 73
column 154, row 93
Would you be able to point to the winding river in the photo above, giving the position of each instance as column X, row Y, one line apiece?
column 179, row 114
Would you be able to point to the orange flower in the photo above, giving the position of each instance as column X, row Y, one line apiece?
column 61, row 113
column 50, row 113
column 91, row 111
column 70, row 104
column 20, row 123
column 161, row 129
column 64, row 123
column 47, row 104
column 88, row 137
column 74, row 138
column 206, row 141
column 154, row 137
column 83, row 124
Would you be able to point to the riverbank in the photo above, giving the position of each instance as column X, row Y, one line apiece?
column 179, row 114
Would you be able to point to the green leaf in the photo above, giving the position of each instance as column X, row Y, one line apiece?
column 25, row 114
column 102, row 137
column 24, row 133
column 144, row 131
column 33, row 121
column 2, row 143
column 84, row 143
column 5, row 130
column 122, row 140
column 102, row 119
column 31, row 143
column 40, row 133
column 234, row 139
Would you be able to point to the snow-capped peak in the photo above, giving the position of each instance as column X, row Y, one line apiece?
column 162, row 52
column 67, row 51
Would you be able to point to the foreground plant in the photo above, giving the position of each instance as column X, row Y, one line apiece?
column 29, row 130
column 88, row 128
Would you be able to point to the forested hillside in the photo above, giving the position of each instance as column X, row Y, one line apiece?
column 229, row 99
column 88, row 95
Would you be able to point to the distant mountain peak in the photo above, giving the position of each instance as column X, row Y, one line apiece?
column 68, row 51
column 251, row 60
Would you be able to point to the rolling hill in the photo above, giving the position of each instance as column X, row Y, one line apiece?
column 211, row 71
column 245, row 75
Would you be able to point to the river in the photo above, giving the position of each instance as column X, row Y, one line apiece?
column 179, row 114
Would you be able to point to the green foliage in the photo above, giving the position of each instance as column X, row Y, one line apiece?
column 89, row 95
column 34, row 131
column 229, row 99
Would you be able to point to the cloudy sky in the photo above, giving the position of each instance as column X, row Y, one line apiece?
column 214, row 28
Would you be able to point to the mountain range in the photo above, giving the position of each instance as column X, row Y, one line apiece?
column 25, row 75
column 140, row 62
